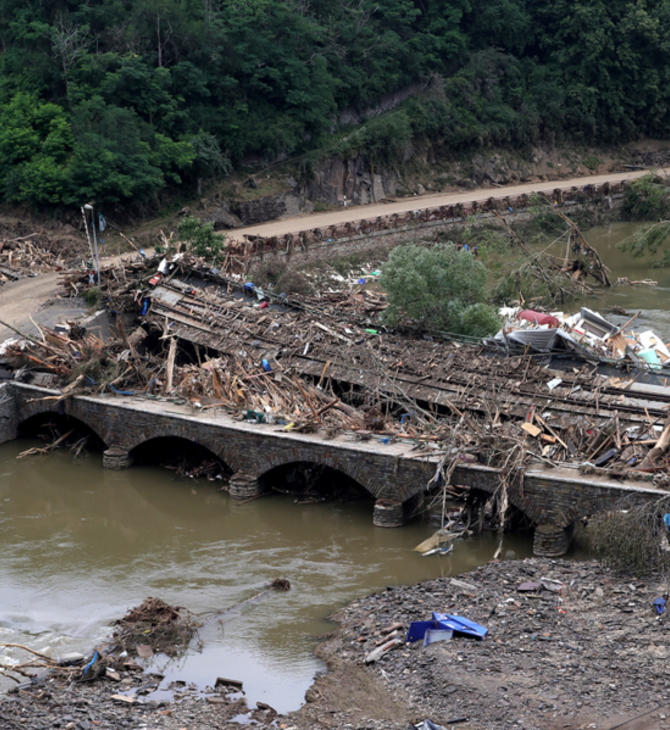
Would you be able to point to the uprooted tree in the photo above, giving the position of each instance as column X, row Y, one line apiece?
column 440, row 289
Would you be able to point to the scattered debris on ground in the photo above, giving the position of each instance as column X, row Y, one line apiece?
column 566, row 644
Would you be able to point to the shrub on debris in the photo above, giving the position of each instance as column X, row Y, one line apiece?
column 441, row 288
column 633, row 541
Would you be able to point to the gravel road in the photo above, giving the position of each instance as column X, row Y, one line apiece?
column 296, row 224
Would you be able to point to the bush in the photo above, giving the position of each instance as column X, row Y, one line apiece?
column 440, row 288
column 645, row 199
column 633, row 541
column 200, row 238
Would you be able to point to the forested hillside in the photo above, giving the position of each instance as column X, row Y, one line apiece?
column 123, row 100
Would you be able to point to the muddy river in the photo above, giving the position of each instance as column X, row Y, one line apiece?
column 653, row 302
column 81, row 545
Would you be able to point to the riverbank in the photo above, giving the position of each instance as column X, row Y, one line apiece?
column 590, row 653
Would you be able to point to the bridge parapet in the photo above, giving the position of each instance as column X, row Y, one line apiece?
column 553, row 499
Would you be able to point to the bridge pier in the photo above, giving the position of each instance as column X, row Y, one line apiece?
column 551, row 539
column 388, row 513
column 8, row 420
column 117, row 458
column 244, row 485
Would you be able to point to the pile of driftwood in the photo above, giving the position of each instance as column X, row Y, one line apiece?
column 21, row 257
column 265, row 394
column 554, row 279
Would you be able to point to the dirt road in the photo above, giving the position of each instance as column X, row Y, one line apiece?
column 26, row 300
column 23, row 299
column 355, row 213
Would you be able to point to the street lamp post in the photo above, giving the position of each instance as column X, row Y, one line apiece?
column 88, row 206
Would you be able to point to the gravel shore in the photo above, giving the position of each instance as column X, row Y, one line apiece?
column 589, row 652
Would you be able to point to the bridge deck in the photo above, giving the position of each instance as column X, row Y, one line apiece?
column 394, row 473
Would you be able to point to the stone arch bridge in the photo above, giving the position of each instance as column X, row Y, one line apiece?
column 394, row 474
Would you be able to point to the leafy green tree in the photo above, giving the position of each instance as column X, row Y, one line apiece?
column 36, row 143
column 441, row 288
column 200, row 238
column 648, row 199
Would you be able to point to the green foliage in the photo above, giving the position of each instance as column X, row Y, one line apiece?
column 646, row 199
column 35, row 145
column 648, row 240
column 592, row 162
column 441, row 288
column 200, row 238
column 382, row 140
column 93, row 297
column 133, row 98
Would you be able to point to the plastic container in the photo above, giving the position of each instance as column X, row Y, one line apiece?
column 650, row 356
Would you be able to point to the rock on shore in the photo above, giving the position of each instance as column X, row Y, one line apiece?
column 585, row 650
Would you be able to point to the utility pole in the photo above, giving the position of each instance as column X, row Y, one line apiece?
column 88, row 206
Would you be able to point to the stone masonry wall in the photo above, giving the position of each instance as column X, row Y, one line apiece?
column 548, row 497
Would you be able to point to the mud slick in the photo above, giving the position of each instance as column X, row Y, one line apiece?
column 579, row 648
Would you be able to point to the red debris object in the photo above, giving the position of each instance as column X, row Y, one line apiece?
column 538, row 318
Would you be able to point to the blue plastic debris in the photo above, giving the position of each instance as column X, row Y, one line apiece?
column 417, row 630
column 659, row 605
column 96, row 656
column 433, row 635
column 266, row 365
column 249, row 288
column 362, row 281
column 145, row 306
column 666, row 521
column 445, row 621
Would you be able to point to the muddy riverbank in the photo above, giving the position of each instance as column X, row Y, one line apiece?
column 591, row 653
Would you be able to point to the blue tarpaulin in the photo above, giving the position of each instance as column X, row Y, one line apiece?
column 445, row 621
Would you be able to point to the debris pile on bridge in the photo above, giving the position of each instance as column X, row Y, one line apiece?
column 324, row 363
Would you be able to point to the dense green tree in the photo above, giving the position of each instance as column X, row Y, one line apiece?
column 156, row 95
column 440, row 288
column 35, row 145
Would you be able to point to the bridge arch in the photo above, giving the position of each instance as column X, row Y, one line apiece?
column 35, row 422
column 310, row 479
column 356, row 472
column 179, row 434
column 177, row 451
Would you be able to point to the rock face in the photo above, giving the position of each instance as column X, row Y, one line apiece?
column 335, row 180
column 223, row 219
column 498, row 170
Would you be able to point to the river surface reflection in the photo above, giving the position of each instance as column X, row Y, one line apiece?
column 81, row 545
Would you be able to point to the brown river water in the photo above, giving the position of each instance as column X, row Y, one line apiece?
column 80, row 545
